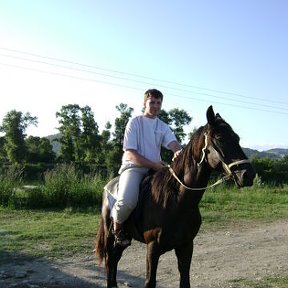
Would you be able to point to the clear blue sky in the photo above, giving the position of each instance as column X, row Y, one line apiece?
column 229, row 54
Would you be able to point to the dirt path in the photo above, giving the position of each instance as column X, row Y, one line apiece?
column 220, row 259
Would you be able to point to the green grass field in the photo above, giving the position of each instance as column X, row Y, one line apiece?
column 65, row 232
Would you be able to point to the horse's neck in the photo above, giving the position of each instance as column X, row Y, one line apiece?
column 195, row 174
column 203, row 174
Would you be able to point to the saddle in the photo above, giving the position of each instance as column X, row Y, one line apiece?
column 111, row 189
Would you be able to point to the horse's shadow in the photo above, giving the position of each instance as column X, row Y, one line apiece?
column 19, row 270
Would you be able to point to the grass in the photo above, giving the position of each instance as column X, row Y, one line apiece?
column 47, row 233
column 253, row 203
column 267, row 282
column 64, row 233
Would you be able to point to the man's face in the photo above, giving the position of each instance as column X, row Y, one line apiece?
column 152, row 107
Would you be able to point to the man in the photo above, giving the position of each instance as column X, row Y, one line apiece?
column 143, row 138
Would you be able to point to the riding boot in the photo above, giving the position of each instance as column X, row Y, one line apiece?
column 120, row 237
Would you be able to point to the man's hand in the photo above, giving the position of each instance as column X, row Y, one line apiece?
column 159, row 165
column 176, row 154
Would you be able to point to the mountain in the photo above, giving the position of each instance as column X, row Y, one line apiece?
column 55, row 144
column 276, row 153
column 280, row 152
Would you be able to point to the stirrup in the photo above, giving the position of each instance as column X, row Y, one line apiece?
column 120, row 239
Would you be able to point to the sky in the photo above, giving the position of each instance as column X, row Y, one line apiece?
column 231, row 54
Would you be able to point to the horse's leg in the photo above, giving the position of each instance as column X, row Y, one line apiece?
column 113, row 256
column 152, row 258
column 184, row 257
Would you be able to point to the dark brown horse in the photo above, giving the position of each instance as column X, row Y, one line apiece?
column 168, row 215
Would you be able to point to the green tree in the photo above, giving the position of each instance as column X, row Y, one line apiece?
column 70, row 130
column 176, row 119
column 106, row 147
column 120, row 124
column 90, row 139
column 3, row 157
column 39, row 150
column 115, row 154
column 14, row 126
column 80, row 140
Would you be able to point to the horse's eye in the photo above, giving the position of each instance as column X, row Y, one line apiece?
column 218, row 137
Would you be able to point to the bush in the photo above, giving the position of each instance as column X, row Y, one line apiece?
column 10, row 180
column 64, row 187
column 67, row 187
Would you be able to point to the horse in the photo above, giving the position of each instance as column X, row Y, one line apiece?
column 167, row 216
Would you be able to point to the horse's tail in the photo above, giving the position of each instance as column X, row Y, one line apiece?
column 101, row 243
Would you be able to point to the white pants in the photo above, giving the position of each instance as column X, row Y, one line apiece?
column 128, row 192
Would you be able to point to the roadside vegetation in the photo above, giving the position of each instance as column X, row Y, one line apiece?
column 62, row 187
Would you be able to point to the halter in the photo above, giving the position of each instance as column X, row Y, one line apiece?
column 226, row 167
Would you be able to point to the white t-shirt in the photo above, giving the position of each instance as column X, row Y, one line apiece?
column 146, row 136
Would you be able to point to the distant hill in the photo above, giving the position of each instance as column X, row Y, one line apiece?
column 280, row 152
column 55, row 144
column 276, row 153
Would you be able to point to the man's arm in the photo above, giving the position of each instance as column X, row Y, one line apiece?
column 138, row 159
column 175, row 147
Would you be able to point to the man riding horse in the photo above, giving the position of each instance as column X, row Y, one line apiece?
column 144, row 136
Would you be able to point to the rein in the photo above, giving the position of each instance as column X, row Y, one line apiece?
column 223, row 179
column 226, row 167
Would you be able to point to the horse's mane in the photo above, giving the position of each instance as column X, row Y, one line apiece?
column 163, row 185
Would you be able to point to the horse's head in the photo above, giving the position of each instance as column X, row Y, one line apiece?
column 222, row 150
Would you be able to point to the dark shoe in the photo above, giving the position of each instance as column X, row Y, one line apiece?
column 120, row 239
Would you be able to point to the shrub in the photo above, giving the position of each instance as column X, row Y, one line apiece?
column 67, row 187
column 10, row 179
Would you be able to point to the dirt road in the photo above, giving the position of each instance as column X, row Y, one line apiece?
column 221, row 259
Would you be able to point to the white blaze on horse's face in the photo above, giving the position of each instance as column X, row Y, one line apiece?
column 213, row 158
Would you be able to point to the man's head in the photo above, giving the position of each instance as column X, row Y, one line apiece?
column 152, row 102
column 153, row 93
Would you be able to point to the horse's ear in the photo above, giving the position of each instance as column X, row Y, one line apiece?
column 217, row 116
column 210, row 115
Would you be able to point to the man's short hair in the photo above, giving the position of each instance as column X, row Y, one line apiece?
column 153, row 93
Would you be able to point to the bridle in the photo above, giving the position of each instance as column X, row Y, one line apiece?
column 226, row 167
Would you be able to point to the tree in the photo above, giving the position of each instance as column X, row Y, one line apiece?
column 3, row 157
column 179, row 119
column 90, row 139
column 271, row 170
column 69, row 119
column 80, row 140
column 176, row 119
column 190, row 134
column 39, row 150
column 14, row 126
column 115, row 154
column 120, row 124
column 106, row 147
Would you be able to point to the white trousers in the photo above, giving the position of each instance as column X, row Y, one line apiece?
column 128, row 192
